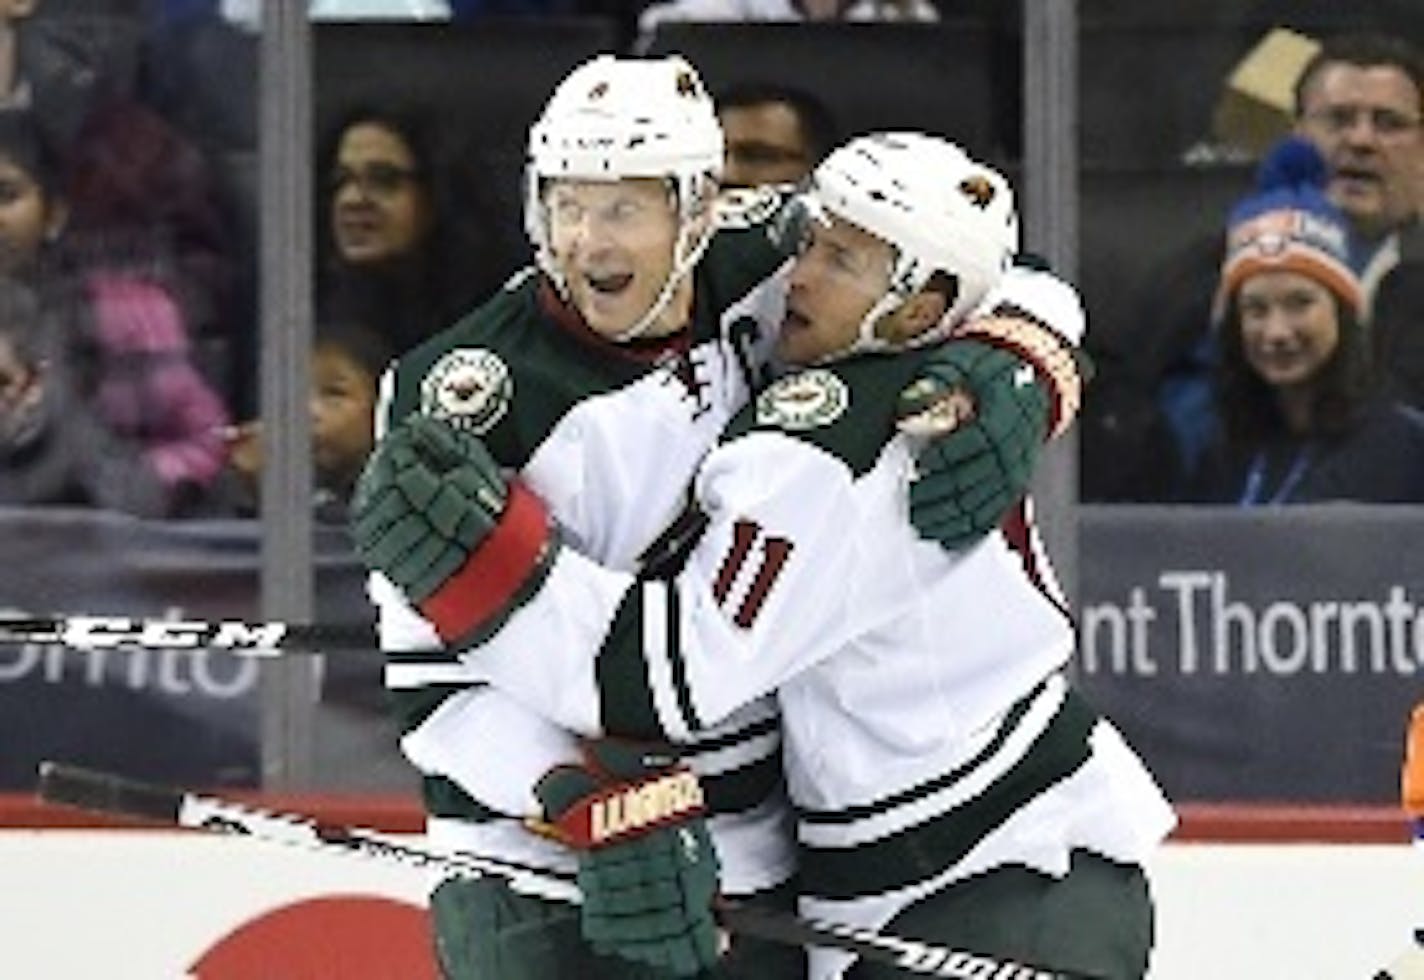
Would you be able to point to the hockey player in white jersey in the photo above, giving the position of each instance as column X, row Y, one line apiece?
column 601, row 380
column 949, row 784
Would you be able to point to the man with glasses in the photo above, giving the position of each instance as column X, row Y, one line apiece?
column 1360, row 100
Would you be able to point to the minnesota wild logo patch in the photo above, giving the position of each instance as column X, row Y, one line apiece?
column 469, row 387
column 806, row 400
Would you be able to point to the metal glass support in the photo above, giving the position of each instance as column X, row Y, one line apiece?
column 289, row 686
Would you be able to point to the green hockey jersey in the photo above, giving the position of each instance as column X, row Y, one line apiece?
column 608, row 436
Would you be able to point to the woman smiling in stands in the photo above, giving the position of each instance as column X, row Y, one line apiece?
column 1299, row 415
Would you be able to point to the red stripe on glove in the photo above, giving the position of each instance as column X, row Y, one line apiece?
column 491, row 577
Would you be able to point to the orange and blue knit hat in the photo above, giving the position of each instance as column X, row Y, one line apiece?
column 1289, row 225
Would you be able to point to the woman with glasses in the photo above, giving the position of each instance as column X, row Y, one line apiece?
column 403, row 245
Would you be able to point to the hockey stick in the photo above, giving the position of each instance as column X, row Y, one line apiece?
column 243, row 639
column 1409, row 965
column 106, row 793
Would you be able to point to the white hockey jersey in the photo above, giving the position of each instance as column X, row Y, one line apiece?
column 930, row 733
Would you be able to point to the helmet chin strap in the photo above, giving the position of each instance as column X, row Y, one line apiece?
column 903, row 274
column 685, row 258
column 866, row 341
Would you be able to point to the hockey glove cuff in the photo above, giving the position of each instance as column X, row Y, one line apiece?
column 433, row 512
column 647, row 867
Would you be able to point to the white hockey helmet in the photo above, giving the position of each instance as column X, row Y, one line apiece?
column 613, row 118
column 939, row 209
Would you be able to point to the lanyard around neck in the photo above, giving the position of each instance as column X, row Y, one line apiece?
column 1251, row 493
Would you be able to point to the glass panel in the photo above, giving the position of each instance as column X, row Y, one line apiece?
column 128, row 324
column 1188, row 396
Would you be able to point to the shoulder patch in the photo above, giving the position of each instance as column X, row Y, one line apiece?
column 746, row 207
column 806, row 400
column 470, row 387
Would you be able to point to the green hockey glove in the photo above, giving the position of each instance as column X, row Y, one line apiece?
column 982, row 413
column 434, row 514
column 647, row 867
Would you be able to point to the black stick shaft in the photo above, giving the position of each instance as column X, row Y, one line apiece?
column 238, row 637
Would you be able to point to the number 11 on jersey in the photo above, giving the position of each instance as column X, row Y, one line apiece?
column 749, row 541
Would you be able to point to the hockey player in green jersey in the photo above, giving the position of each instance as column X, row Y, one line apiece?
column 601, row 378
column 949, row 785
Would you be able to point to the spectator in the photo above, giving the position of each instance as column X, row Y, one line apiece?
column 347, row 362
column 786, row 10
column 140, row 195
column 405, row 246
column 775, row 133
column 1299, row 417
column 52, row 448
column 248, row 13
column 135, row 186
column 1360, row 101
column 119, row 326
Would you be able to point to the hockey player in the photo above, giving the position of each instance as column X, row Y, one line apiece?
column 949, row 784
column 602, row 378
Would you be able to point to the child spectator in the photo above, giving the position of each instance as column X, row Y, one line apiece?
column 52, row 448
column 347, row 362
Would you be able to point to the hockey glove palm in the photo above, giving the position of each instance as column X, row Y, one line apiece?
column 433, row 513
column 647, row 868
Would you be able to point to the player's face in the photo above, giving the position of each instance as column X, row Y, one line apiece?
column 380, row 209
column 1289, row 327
column 26, row 216
column 343, row 412
column 841, row 273
column 613, row 243
column 1366, row 122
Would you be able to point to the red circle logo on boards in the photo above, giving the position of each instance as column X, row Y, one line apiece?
column 350, row 937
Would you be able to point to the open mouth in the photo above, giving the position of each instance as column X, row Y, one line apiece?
column 1355, row 178
column 793, row 320
column 610, row 285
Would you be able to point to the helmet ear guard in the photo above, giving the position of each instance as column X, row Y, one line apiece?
column 942, row 212
column 615, row 118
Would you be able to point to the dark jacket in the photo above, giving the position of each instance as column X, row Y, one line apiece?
column 1380, row 460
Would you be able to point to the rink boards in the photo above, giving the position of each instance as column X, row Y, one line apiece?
column 1327, row 893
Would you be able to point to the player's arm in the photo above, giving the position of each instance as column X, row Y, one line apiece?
column 987, row 400
column 602, row 651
